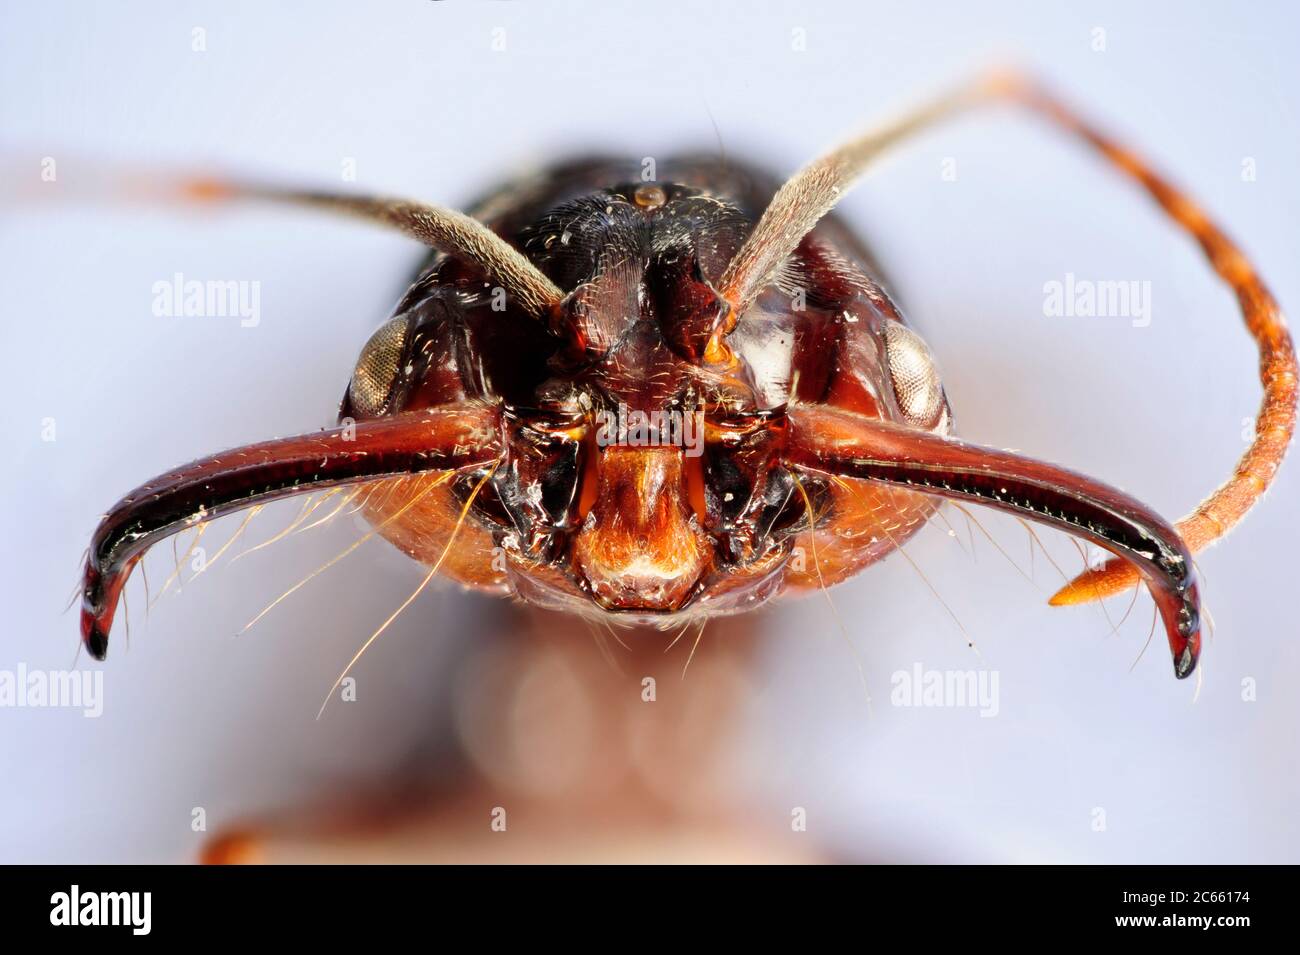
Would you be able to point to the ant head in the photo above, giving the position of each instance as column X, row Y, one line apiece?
column 643, row 422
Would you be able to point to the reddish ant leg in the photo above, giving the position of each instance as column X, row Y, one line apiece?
column 435, row 440
column 849, row 445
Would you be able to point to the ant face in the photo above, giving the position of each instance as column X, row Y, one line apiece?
column 640, row 477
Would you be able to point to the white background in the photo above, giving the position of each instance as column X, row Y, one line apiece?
column 414, row 93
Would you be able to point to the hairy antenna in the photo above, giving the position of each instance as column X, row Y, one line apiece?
column 444, row 229
column 813, row 191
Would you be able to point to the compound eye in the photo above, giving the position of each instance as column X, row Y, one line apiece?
column 376, row 372
column 912, row 371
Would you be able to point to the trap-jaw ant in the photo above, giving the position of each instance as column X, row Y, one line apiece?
column 714, row 294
